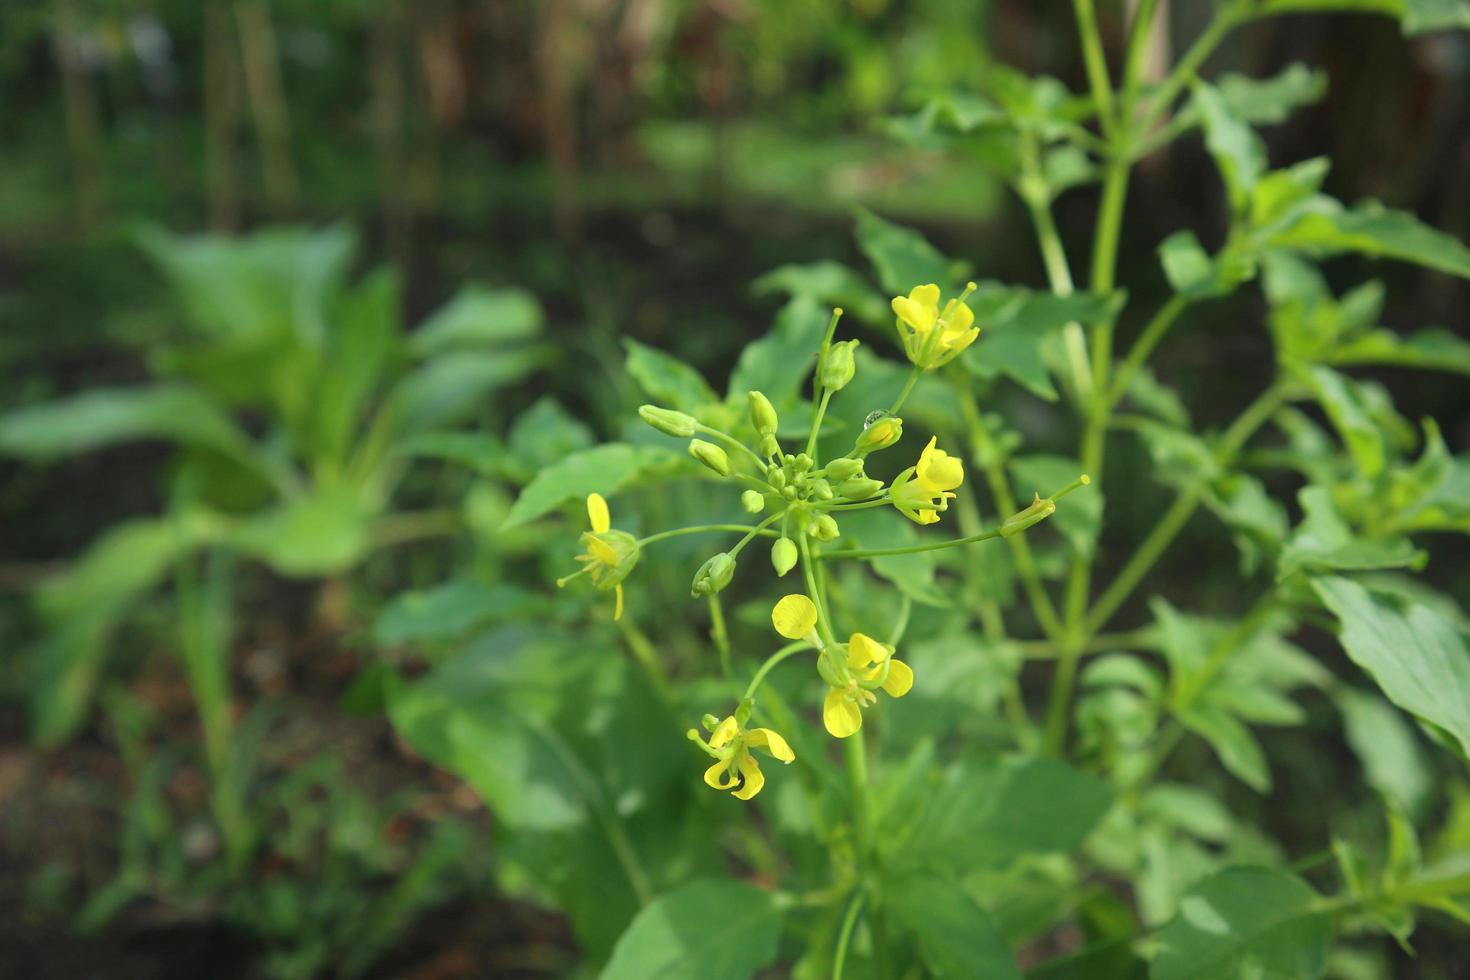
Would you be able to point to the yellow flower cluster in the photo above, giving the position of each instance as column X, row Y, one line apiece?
column 933, row 337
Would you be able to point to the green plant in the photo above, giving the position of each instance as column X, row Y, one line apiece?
column 971, row 821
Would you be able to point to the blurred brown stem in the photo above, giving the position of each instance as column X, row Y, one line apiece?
column 261, row 60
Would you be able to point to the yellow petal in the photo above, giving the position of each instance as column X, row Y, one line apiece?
column 617, row 603
column 774, row 744
column 724, row 732
column 794, row 616
column 900, row 678
column 960, row 319
column 925, row 517
column 862, row 650
column 600, row 550
column 718, row 776
column 597, row 512
column 938, row 471
column 754, row 778
column 926, row 295
column 918, row 317
column 840, row 715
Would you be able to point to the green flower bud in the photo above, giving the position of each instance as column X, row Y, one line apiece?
column 880, row 435
column 710, row 455
column 789, row 493
column 753, row 501
column 837, row 367
column 1038, row 511
column 859, row 488
column 769, row 446
column 713, row 575
column 843, row 469
column 822, row 489
column 668, row 421
column 776, row 477
column 762, row 413
column 802, row 462
column 710, row 722
column 783, row 555
column 823, row 527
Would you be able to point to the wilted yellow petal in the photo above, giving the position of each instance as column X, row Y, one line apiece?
column 774, row 744
column 718, row 776
column 840, row 715
column 862, row 650
column 597, row 512
column 754, row 778
column 794, row 616
column 900, row 678
column 724, row 732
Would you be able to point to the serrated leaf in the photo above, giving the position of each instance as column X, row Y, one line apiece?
column 1347, row 405
column 1271, row 100
column 1324, row 542
column 1326, row 227
column 1238, row 151
column 1245, row 922
column 1419, row 658
column 706, row 930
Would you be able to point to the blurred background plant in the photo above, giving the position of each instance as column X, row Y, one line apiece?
column 201, row 538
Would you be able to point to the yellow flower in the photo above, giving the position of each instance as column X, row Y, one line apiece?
column 795, row 617
column 933, row 337
column 610, row 555
column 869, row 665
column 923, row 491
column 735, row 768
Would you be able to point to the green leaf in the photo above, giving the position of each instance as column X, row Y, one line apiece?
column 362, row 347
column 1017, row 325
column 476, row 318
column 1426, row 16
column 1430, row 350
column 322, row 533
column 449, row 387
column 1079, row 515
column 902, row 257
column 1324, row 542
column 1326, row 227
column 711, row 929
column 276, row 283
column 1266, row 101
column 1278, row 193
column 779, row 362
column 956, row 937
column 1189, row 809
column 110, row 415
column 1236, row 747
column 987, row 813
column 911, row 574
column 830, row 284
column 451, row 610
column 546, row 432
column 1387, row 747
column 1245, row 922
column 1189, row 268
column 1238, row 151
column 1418, row 657
column 666, row 379
column 604, row 469
column 1348, row 406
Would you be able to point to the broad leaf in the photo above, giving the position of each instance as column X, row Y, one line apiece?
column 1323, row 542
column 902, row 257
column 321, row 533
column 1386, row 746
column 706, row 930
column 451, row 610
column 831, row 284
column 1419, row 658
column 1265, row 101
column 1245, row 922
column 604, row 469
column 1018, row 324
column 779, row 362
column 1326, row 227
column 449, row 387
column 476, row 318
column 105, row 416
column 1238, row 151
column 666, row 379
column 956, row 937
column 1430, row 350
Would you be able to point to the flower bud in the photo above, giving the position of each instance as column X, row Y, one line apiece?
column 1038, row 511
column 713, row 575
column 769, row 446
column 753, row 501
column 710, row 455
column 843, row 469
column 762, row 414
column 783, row 555
column 776, row 477
column 668, row 421
column 880, row 435
column 802, row 462
column 837, row 366
column 822, row 489
column 859, row 488
column 823, row 527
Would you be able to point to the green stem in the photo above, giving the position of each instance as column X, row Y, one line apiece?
column 1225, row 20
column 1032, row 190
column 647, row 657
column 1255, row 415
column 770, row 664
column 856, row 751
column 1194, row 684
column 811, row 440
column 1096, row 64
column 707, row 528
column 1099, row 643
column 718, row 633
column 725, row 437
column 750, row 535
column 912, row 549
column 849, row 920
column 908, row 386
column 1139, row 353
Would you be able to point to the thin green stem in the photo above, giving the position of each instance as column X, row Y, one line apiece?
column 1032, row 190
column 1172, row 522
column 912, row 549
column 730, row 440
column 844, row 936
column 719, row 634
column 647, row 657
column 818, row 597
column 1194, row 684
column 1138, row 354
column 1099, row 643
column 811, row 440
column 750, row 535
column 1096, row 64
column 1225, row 20
column 855, row 749
column 770, row 664
column 706, row 529
column 908, row 386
